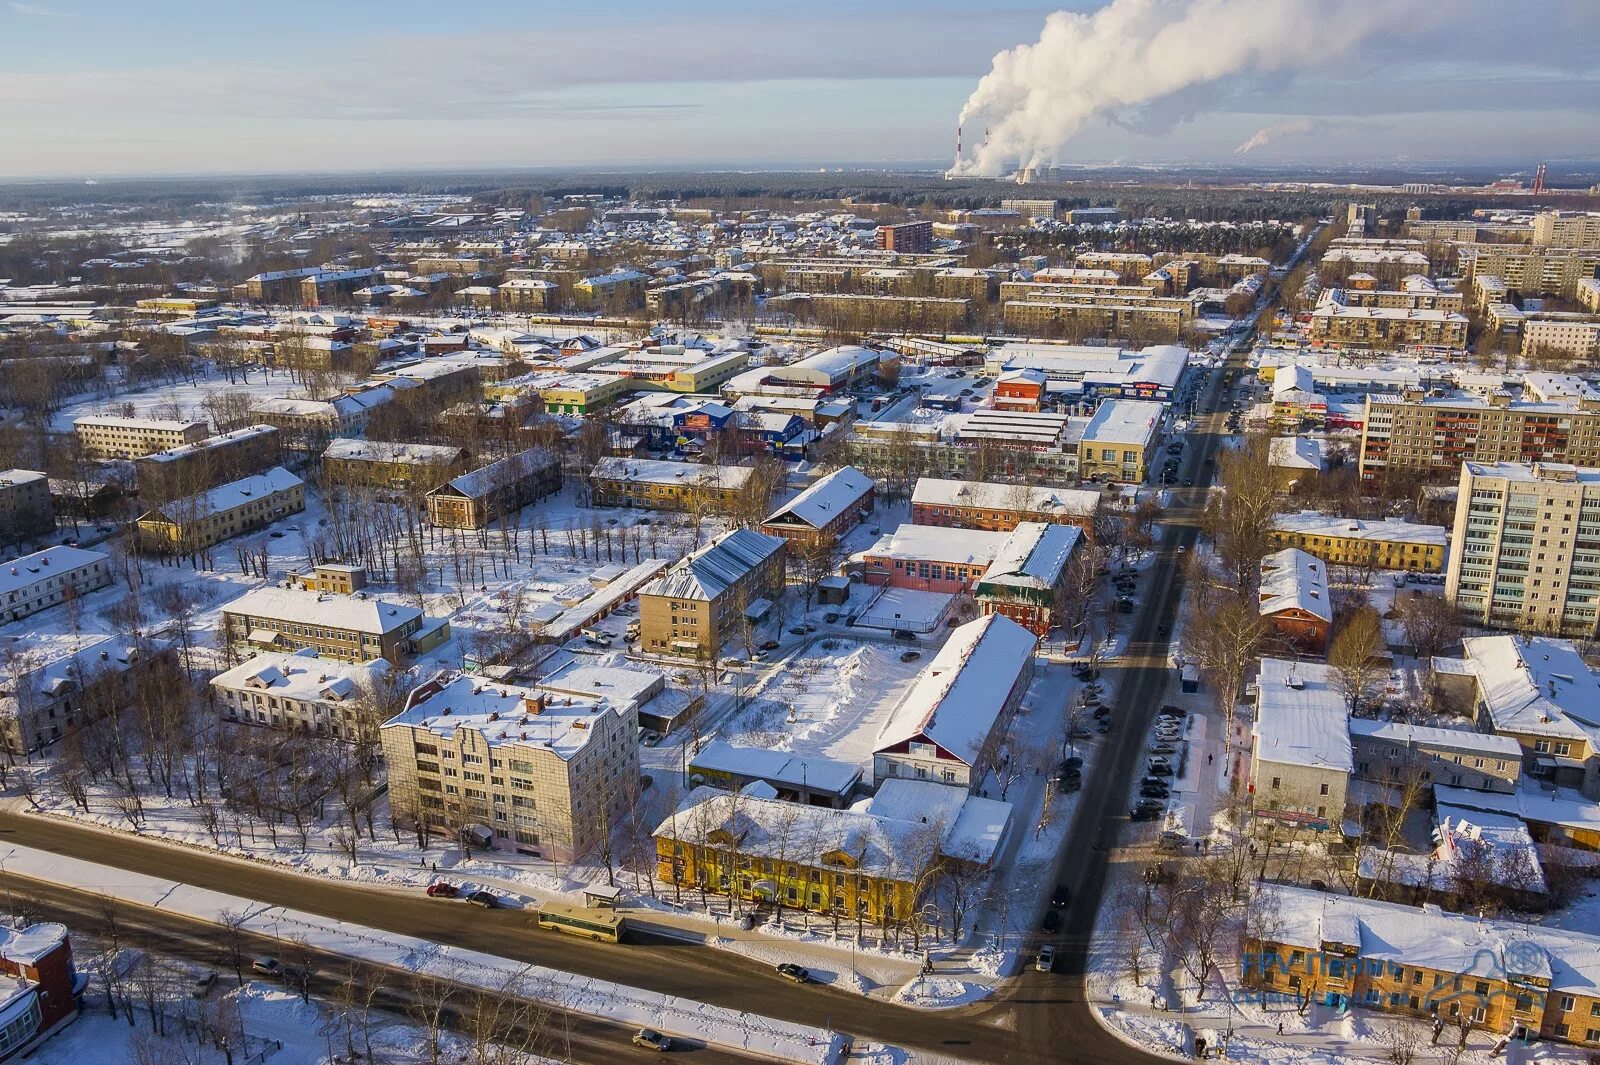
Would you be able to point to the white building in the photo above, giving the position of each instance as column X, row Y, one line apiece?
column 299, row 691
column 1300, row 760
column 48, row 578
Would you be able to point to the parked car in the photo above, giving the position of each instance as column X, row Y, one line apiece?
column 910, row 656
column 1160, row 767
column 487, row 899
column 651, row 1039
column 1060, row 896
column 442, row 889
column 1046, row 959
column 797, row 630
column 770, row 645
column 1142, row 813
column 1173, row 711
column 1104, row 727
column 1069, row 783
column 790, row 971
column 266, row 966
column 1073, row 762
column 1150, row 791
column 1051, row 922
column 202, row 985
column 651, row 737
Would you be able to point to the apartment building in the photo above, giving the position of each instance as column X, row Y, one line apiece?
column 1435, row 434
column 685, row 487
column 695, row 606
column 497, row 490
column 1527, row 547
column 48, row 578
column 1337, row 323
column 301, row 691
column 49, row 693
column 913, row 237
column 1025, row 580
column 868, row 311
column 511, row 768
column 355, row 628
column 1390, row 752
column 930, row 558
column 194, row 523
column 1124, row 263
column 1117, row 442
column 1572, row 336
column 966, row 283
column 191, row 468
column 1392, row 543
column 582, row 393
column 1502, row 976
column 26, row 509
column 1300, row 759
column 1415, row 293
column 382, row 464
column 999, row 507
column 619, row 292
column 1566, row 229
column 1531, row 269
column 130, row 438
column 1589, row 294
column 825, row 511
column 527, row 295
column 1114, row 315
column 946, row 727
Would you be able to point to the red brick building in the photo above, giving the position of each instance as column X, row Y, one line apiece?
column 912, row 237
column 42, row 991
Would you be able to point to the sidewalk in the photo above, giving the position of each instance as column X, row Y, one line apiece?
column 618, row 1003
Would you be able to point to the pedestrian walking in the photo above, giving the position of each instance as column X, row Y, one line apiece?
column 1209, row 757
column 1280, row 1027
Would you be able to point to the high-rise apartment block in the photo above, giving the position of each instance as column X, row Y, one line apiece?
column 911, row 237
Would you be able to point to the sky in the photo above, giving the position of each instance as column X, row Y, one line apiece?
column 99, row 88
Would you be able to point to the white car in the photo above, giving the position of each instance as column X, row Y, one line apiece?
column 1046, row 960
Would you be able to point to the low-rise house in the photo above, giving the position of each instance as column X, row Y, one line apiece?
column 192, row 468
column 497, row 490
column 1025, row 580
column 826, row 510
column 999, row 507
column 930, row 558
column 812, row 780
column 355, row 628
column 1300, row 760
column 380, row 464
column 694, row 607
column 512, row 768
column 686, row 487
column 1294, row 599
column 1392, row 543
column 183, row 526
column 301, row 691
column 1294, row 459
column 47, row 696
column 48, row 578
column 949, row 724
column 340, row 577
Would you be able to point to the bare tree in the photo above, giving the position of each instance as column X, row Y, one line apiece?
column 1354, row 656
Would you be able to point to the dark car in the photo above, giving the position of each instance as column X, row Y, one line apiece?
column 1173, row 711
column 790, row 971
column 1072, row 763
column 831, row 617
column 797, row 630
column 1051, row 922
column 1142, row 813
column 441, row 889
column 1069, row 783
column 487, row 899
column 770, row 645
column 1104, row 726
column 910, row 656
column 1160, row 769
column 904, row 634
column 1060, row 896
column 1102, row 711
column 1085, row 673
column 1150, row 791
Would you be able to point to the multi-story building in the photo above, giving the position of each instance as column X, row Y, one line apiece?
column 824, row 512
column 48, row 694
column 1531, row 269
column 930, row 558
column 1435, row 434
column 26, row 509
column 694, row 607
column 1047, row 313
column 1415, row 293
column 947, row 726
column 528, row 295
column 618, row 292
column 130, row 438
column 355, row 628
column 1566, row 229
column 501, row 488
column 1527, row 547
column 913, row 237
column 1300, row 760
column 206, row 463
column 301, row 691
column 1033, row 208
column 1571, row 336
column 382, row 464
column 48, row 578
column 966, row 283
column 687, row 487
column 340, row 577
column 194, row 523
column 1386, row 327
column 1116, row 443
column 582, row 393
column 1390, row 752
column 1294, row 599
column 43, row 987
column 512, row 768
column 872, row 311
column 1025, row 580
column 1501, row 976
column 1392, row 543
column 1588, row 294
column 999, row 507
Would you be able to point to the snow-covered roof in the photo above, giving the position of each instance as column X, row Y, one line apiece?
column 1063, row 503
column 1535, row 686
column 1033, row 556
column 825, row 500
column 26, row 946
column 814, row 772
column 303, row 676
column 1410, row 735
column 75, row 669
column 391, row 452
column 716, row 567
column 956, row 701
column 12, row 478
column 183, row 451
column 505, row 714
column 1124, row 421
column 662, row 471
column 1389, row 530
column 153, row 424
column 1292, row 579
column 938, row 543
column 234, row 494
column 1296, row 453
column 498, row 474
column 974, row 827
column 366, row 615
column 1301, row 716
column 623, row 687
column 31, row 569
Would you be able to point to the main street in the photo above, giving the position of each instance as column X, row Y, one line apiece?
column 1036, row 1018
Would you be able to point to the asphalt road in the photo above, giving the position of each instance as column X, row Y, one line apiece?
column 1041, row 1017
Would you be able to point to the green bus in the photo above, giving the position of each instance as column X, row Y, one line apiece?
column 598, row 925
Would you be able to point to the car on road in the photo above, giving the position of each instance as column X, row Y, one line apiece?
column 770, row 645
column 442, row 889
column 487, row 899
column 1051, row 922
column 1046, row 959
column 266, row 966
column 797, row 630
column 790, row 971
column 910, row 656
column 202, row 985
column 651, row 1039
column 831, row 617
column 1060, row 896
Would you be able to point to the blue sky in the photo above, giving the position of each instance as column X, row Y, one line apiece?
column 97, row 88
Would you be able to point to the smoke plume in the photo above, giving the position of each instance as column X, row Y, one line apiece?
column 1295, row 127
column 1134, row 56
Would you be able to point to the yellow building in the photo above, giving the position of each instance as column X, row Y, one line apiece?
column 581, row 393
column 656, row 484
column 200, row 521
column 695, row 606
column 131, row 438
column 1387, row 544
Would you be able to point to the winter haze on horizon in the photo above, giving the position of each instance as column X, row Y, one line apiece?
column 96, row 88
